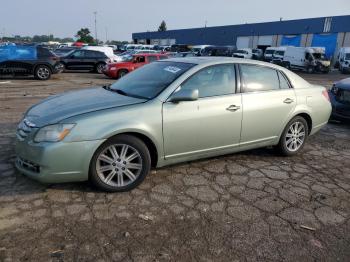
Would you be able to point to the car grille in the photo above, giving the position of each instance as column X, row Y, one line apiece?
column 28, row 165
column 24, row 128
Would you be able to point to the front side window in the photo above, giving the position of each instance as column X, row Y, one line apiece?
column 78, row 54
column 213, row 81
column 259, row 78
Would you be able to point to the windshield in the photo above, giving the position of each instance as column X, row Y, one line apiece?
column 149, row 80
column 319, row 56
column 269, row 52
column 280, row 53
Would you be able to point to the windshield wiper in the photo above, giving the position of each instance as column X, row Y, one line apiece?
column 121, row 92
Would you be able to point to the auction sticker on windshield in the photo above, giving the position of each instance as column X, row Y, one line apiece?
column 172, row 69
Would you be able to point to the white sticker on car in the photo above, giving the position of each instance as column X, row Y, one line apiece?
column 172, row 69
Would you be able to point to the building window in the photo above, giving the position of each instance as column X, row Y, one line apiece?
column 327, row 24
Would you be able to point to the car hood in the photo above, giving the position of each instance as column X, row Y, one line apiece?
column 69, row 104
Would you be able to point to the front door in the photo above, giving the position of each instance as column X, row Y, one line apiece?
column 211, row 123
column 268, row 102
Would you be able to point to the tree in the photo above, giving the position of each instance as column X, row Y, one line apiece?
column 84, row 36
column 162, row 27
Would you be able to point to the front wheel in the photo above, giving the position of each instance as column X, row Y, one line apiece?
column 42, row 72
column 120, row 164
column 294, row 136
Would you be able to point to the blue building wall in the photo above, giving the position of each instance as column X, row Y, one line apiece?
column 227, row 35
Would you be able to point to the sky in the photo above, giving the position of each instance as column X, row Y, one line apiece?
column 119, row 19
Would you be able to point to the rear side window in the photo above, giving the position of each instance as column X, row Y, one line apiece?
column 213, row 81
column 284, row 84
column 259, row 78
column 44, row 52
column 151, row 59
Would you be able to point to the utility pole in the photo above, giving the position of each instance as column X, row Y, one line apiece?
column 106, row 33
column 95, row 13
column 205, row 24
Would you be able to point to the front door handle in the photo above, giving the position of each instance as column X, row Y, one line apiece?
column 288, row 101
column 233, row 108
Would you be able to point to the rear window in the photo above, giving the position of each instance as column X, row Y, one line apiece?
column 259, row 78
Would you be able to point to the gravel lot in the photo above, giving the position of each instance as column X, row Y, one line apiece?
column 251, row 206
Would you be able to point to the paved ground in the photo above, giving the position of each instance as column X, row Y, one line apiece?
column 252, row 206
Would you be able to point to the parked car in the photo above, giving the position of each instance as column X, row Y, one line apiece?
column 118, row 70
column 243, row 53
column 85, row 60
column 64, row 50
column 168, row 112
column 340, row 98
column 219, row 51
column 268, row 53
column 309, row 59
column 344, row 60
column 258, row 54
column 28, row 60
column 199, row 49
column 108, row 51
column 180, row 48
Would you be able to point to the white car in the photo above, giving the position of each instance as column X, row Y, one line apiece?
column 108, row 51
column 246, row 53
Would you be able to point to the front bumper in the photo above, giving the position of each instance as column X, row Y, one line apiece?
column 55, row 162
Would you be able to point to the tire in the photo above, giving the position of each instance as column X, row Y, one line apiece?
column 122, row 73
column 99, row 68
column 42, row 72
column 289, row 140
column 310, row 70
column 109, row 168
column 61, row 67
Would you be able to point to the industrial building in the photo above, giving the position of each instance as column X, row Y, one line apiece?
column 329, row 32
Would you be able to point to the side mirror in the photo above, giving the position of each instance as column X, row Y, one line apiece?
column 184, row 95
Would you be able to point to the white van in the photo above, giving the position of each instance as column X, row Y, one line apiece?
column 278, row 55
column 310, row 59
column 108, row 51
column 268, row 53
column 246, row 53
column 344, row 60
column 198, row 49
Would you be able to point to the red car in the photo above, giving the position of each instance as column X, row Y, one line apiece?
column 118, row 70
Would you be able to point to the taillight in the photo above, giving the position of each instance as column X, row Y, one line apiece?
column 326, row 95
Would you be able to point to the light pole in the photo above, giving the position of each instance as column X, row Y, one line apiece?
column 95, row 13
column 106, row 34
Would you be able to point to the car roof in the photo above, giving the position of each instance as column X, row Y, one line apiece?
column 200, row 60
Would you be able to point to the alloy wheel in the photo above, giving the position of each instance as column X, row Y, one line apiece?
column 43, row 73
column 119, row 165
column 295, row 136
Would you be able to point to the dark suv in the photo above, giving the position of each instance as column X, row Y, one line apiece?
column 28, row 60
column 85, row 60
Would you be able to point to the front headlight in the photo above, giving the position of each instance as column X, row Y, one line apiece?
column 53, row 133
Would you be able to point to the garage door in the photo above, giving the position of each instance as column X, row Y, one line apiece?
column 265, row 40
column 291, row 40
column 242, row 42
column 329, row 41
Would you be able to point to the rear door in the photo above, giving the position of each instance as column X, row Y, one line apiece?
column 268, row 101
column 75, row 60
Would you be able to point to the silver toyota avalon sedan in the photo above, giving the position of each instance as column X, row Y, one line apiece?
column 167, row 112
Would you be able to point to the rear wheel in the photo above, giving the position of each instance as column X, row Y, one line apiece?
column 99, row 68
column 42, row 72
column 294, row 136
column 122, row 73
column 120, row 164
column 310, row 69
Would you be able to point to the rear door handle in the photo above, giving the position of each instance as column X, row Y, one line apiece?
column 233, row 108
column 288, row 101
